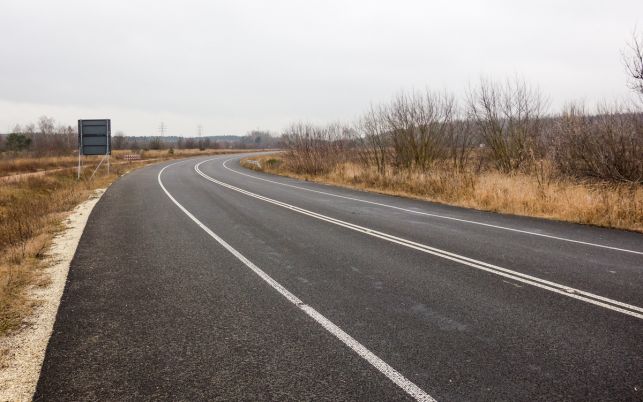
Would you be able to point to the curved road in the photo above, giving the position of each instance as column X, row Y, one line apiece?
column 201, row 280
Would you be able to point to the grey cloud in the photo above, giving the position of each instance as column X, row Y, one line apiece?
column 238, row 65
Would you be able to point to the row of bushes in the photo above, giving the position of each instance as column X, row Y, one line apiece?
column 502, row 126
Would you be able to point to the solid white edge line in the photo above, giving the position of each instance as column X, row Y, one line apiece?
column 564, row 290
column 434, row 215
column 383, row 367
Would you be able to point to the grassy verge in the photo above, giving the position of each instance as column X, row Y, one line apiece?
column 11, row 165
column 31, row 213
column 608, row 205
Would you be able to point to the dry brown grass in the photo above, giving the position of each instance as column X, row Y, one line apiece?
column 614, row 206
column 31, row 212
column 10, row 165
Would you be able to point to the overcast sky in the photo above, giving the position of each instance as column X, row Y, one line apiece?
column 234, row 66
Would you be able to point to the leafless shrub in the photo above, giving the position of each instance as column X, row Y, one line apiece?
column 607, row 146
column 118, row 140
column 460, row 144
column 509, row 119
column 414, row 131
column 373, row 141
column 315, row 149
column 419, row 125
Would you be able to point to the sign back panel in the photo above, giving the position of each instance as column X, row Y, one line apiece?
column 95, row 137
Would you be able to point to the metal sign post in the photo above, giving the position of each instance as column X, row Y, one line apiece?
column 94, row 138
column 80, row 146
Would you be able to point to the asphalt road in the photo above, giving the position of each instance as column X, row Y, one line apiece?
column 218, row 283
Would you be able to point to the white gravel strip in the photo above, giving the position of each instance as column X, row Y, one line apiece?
column 26, row 348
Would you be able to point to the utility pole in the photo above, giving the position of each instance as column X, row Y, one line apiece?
column 157, row 143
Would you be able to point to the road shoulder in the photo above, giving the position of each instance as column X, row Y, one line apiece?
column 25, row 349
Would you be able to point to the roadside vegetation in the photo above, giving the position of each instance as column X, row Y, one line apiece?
column 33, row 209
column 39, row 187
column 499, row 149
column 31, row 212
column 16, row 164
column 613, row 205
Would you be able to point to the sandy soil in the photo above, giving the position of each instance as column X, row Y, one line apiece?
column 25, row 349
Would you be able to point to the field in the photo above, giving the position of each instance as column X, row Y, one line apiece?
column 11, row 165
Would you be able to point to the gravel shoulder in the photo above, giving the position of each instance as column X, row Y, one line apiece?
column 25, row 350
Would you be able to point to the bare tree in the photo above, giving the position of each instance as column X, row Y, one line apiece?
column 119, row 140
column 373, row 141
column 460, row 143
column 42, row 141
column 633, row 60
column 71, row 136
column 606, row 146
column 315, row 149
column 30, row 130
column 509, row 120
column 419, row 124
column 46, row 125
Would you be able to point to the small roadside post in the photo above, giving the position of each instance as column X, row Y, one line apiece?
column 94, row 138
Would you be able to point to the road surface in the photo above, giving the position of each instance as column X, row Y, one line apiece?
column 201, row 280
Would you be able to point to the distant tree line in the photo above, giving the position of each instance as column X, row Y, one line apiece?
column 42, row 138
column 49, row 138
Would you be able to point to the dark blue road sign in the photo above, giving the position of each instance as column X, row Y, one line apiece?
column 95, row 137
